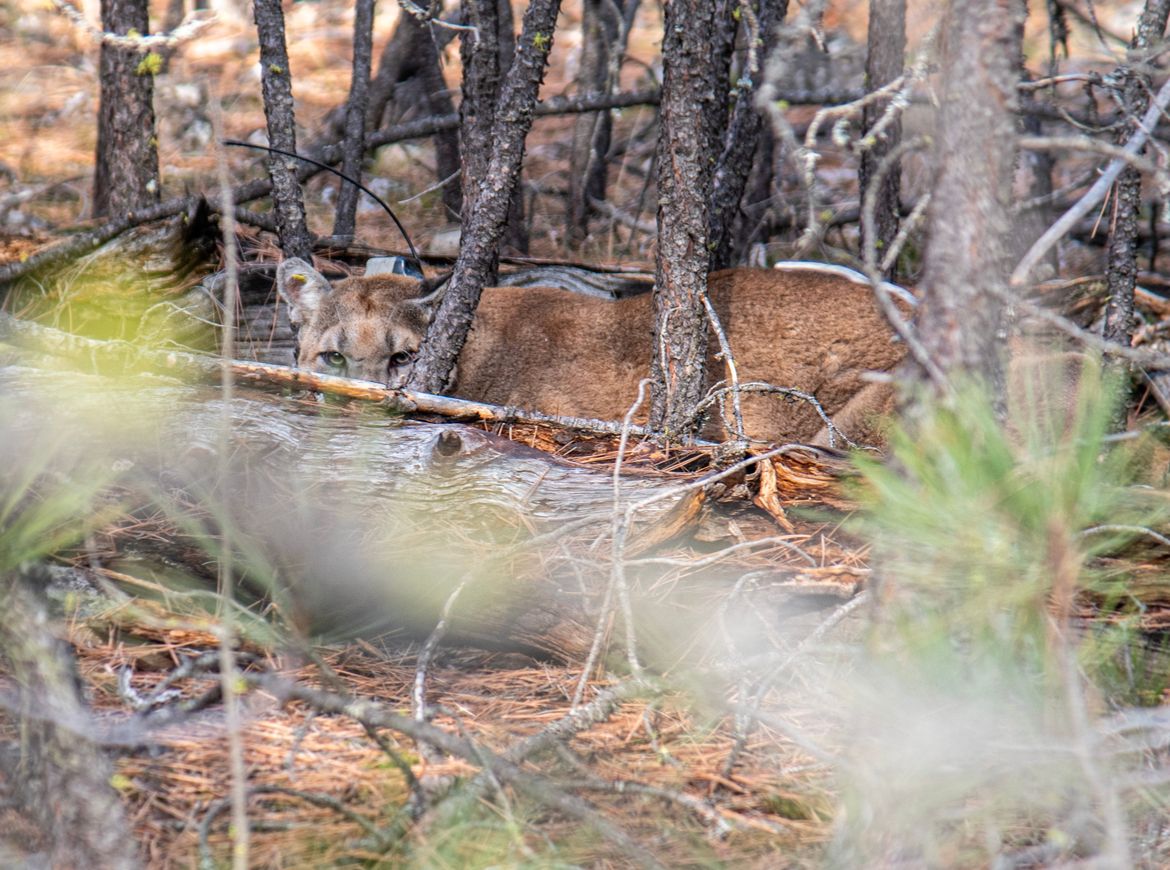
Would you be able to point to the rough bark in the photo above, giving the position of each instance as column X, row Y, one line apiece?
column 490, row 204
column 969, row 216
column 721, row 46
column 61, row 779
column 353, row 144
column 740, row 144
column 276, row 82
column 126, row 173
column 1121, row 264
column 506, row 35
column 884, row 62
column 603, row 39
column 686, row 119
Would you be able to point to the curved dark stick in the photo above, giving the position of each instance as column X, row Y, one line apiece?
column 413, row 253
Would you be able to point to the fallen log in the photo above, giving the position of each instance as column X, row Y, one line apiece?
column 351, row 525
column 351, row 521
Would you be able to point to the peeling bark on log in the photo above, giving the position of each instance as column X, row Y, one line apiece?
column 137, row 286
column 355, row 525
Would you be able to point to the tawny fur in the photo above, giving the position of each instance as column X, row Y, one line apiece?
column 544, row 348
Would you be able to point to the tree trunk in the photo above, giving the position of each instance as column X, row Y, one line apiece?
column 61, row 778
column 740, row 144
column 884, row 62
column 754, row 219
column 603, row 38
column 1121, row 267
column 276, row 81
column 480, row 53
column 1034, row 182
column 353, row 144
column 395, row 64
column 413, row 50
column 687, row 119
column 488, row 201
column 126, row 173
column 447, row 157
column 969, row 220
column 516, row 231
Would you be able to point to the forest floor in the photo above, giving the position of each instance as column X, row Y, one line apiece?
column 329, row 785
column 773, row 808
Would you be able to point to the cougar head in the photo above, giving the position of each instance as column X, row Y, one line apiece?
column 368, row 328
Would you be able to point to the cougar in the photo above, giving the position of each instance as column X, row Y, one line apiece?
column 805, row 326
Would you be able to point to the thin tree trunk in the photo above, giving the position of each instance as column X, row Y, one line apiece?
column 126, row 173
column 516, row 232
column 276, row 82
column 884, row 62
column 447, row 158
column 62, row 778
column 969, row 221
column 754, row 219
column 395, row 64
column 490, row 200
column 1034, row 182
column 1121, row 265
column 721, row 46
column 353, row 145
column 413, row 50
column 480, row 53
column 739, row 147
column 603, row 38
column 686, row 119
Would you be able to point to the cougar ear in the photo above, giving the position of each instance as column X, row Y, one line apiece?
column 432, row 290
column 302, row 287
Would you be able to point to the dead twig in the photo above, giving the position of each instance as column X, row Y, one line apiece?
column 1095, row 194
column 751, row 714
column 762, row 387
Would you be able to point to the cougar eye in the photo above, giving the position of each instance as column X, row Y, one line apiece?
column 401, row 358
column 334, row 359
